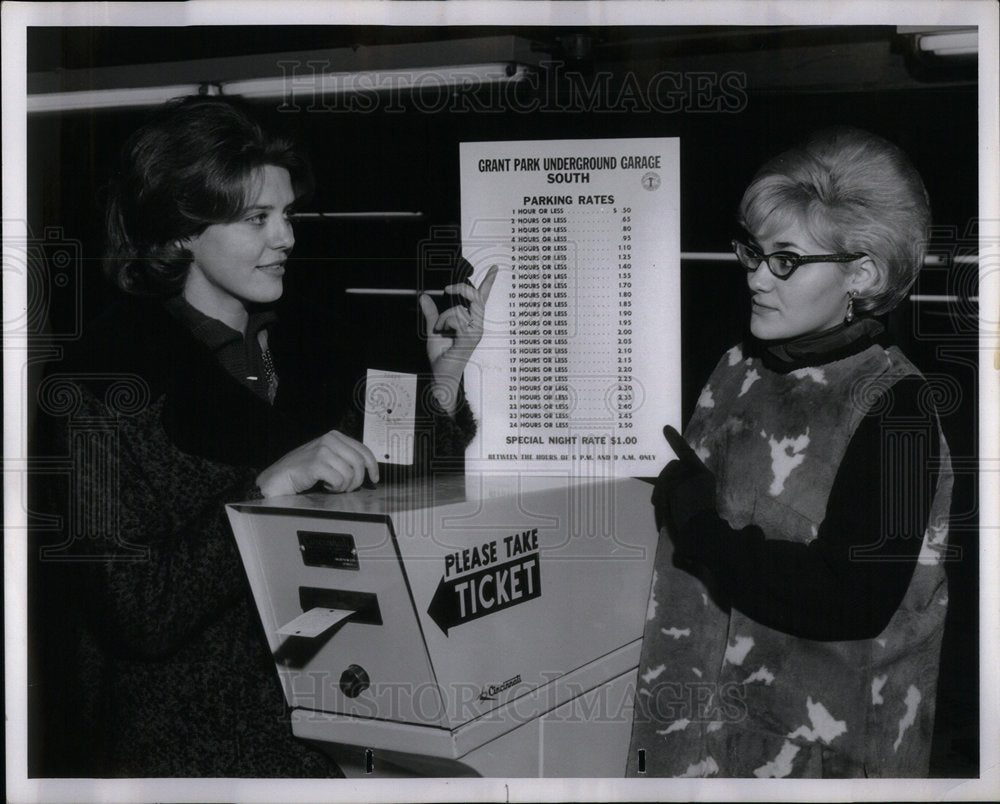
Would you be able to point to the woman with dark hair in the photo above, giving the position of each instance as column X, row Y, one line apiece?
column 193, row 164
column 189, row 393
column 795, row 619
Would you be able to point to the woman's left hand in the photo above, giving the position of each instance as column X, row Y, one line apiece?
column 684, row 489
column 449, row 353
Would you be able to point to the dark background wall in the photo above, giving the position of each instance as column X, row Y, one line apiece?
column 787, row 83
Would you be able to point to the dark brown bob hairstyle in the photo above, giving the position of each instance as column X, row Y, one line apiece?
column 195, row 162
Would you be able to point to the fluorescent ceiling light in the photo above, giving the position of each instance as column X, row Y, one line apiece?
column 298, row 84
column 964, row 43
column 107, row 98
column 943, row 40
column 320, row 83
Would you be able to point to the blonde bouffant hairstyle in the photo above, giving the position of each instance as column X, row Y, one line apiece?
column 853, row 192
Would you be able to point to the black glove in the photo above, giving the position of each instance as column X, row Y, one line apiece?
column 683, row 490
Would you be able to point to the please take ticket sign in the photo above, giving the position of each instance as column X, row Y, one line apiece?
column 579, row 366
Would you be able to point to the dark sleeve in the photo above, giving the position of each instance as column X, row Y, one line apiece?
column 451, row 433
column 326, row 389
column 848, row 582
column 440, row 439
column 147, row 574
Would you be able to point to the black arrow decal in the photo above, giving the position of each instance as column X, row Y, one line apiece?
column 441, row 609
column 469, row 597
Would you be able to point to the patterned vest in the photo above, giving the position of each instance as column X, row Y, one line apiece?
column 719, row 694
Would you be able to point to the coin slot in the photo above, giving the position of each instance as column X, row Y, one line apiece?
column 334, row 550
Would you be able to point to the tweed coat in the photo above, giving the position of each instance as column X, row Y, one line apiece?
column 147, row 654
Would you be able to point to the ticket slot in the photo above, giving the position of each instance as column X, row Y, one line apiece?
column 363, row 604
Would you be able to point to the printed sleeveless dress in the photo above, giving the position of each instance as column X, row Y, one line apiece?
column 719, row 694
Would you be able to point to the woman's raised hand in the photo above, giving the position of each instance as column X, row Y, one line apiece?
column 449, row 353
column 336, row 460
column 684, row 489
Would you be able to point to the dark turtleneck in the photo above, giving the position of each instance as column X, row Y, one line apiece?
column 816, row 348
column 816, row 590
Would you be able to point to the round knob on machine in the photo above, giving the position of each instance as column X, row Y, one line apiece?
column 354, row 680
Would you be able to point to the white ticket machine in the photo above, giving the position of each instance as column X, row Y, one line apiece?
column 459, row 625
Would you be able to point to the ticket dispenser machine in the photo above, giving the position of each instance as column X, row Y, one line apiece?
column 460, row 625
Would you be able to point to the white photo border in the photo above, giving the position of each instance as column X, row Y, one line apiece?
column 18, row 16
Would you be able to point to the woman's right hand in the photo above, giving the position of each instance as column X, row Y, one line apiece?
column 336, row 460
column 685, row 487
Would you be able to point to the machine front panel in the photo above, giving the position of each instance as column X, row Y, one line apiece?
column 460, row 602
column 381, row 642
column 529, row 587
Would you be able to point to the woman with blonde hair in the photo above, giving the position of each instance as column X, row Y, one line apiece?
column 796, row 614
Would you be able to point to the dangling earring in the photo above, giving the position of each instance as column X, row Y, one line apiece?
column 850, row 307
